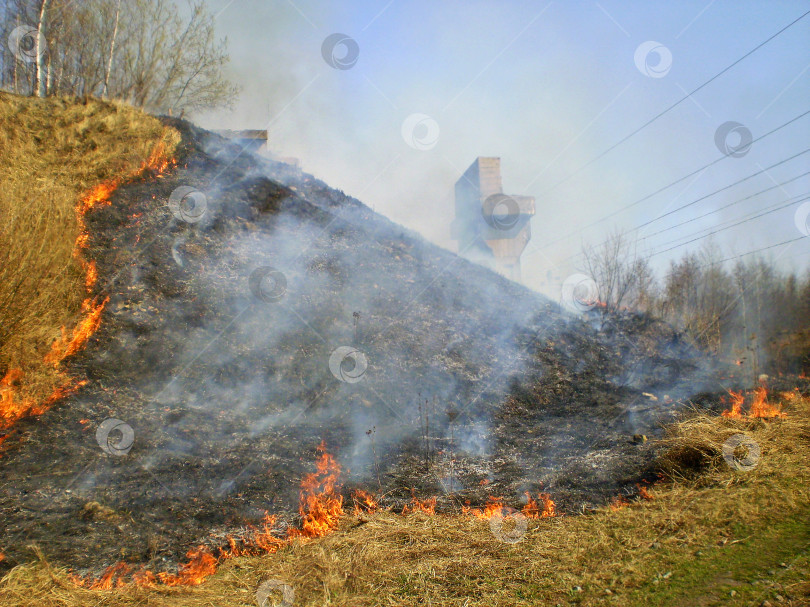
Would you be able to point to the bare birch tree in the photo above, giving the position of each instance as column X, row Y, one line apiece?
column 40, row 59
column 141, row 51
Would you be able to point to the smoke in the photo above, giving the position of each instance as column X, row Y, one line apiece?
column 296, row 311
column 547, row 88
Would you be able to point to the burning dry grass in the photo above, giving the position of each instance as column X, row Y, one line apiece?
column 56, row 154
column 705, row 530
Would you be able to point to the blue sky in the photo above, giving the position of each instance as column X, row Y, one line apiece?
column 547, row 87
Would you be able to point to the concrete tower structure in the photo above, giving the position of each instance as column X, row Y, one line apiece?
column 492, row 228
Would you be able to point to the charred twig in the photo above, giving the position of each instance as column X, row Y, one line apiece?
column 452, row 414
column 427, row 434
column 422, row 426
column 370, row 433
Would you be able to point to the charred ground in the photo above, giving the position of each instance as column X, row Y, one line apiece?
column 475, row 386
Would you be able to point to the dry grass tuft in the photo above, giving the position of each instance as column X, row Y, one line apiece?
column 695, row 444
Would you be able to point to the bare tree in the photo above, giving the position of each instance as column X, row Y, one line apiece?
column 167, row 64
column 141, row 51
column 700, row 297
column 112, row 49
column 622, row 275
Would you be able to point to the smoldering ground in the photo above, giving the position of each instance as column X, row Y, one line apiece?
column 287, row 313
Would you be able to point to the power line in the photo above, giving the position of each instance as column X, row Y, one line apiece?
column 788, row 202
column 725, row 206
column 730, row 226
column 674, row 105
column 778, row 244
column 669, row 185
column 731, row 185
column 689, row 204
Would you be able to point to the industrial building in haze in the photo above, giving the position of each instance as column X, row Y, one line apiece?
column 255, row 140
column 491, row 228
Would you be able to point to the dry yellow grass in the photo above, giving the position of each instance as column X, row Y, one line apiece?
column 708, row 532
column 52, row 152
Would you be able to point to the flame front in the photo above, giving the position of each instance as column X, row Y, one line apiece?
column 321, row 507
column 201, row 564
column 618, row 502
column 542, row 507
column 13, row 406
column 760, row 407
column 493, row 507
column 533, row 508
column 427, row 506
column 737, row 400
column 363, row 502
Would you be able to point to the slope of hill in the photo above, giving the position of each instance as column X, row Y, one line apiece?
column 251, row 313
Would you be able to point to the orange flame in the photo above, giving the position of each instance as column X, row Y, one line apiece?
column 263, row 540
column 427, row 506
column 363, row 502
column 760, row 407
column 108, row 579
column 12, row 407
column 201, row 564
column 67, row 346
column 532, row 509
column 143, row 578
column 644, row 493
column 618, row 502
column 542, row 507
column 737, row 400
column 494, row 506
column 91, row 275
column 320, row 506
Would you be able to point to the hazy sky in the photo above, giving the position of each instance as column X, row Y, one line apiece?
column 547, row 86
